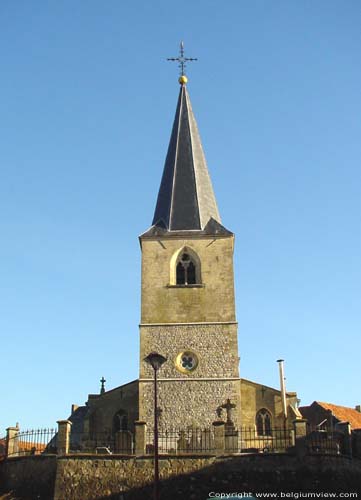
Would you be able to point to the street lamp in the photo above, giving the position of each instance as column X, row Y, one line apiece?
column 155, row 360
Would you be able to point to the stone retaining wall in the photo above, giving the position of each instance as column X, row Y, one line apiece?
column 95, row 477
column 30, row 477
column 105, row 477
column 193, row 478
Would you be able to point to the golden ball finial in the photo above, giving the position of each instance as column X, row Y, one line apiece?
column 183, row 80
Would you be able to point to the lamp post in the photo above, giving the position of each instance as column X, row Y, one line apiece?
column 156, row 361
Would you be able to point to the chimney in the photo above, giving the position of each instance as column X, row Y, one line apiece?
column 283, row 388
column 74, row 408
column 358, row 408
column 329, row 420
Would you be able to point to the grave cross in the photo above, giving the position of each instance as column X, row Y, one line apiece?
column 228, row 406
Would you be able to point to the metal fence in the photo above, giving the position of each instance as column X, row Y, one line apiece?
column 321, row 442
column 176, row 441
column 195, row 440
column 121, row 442
column 191, row 440
column 277, row 440
column 32, row 442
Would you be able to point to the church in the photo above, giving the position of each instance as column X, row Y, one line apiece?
column 187, row 312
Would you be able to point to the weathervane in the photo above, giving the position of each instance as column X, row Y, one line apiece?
column 182, row 63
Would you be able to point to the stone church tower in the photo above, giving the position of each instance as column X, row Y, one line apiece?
column 187, row 313
column 187, row 293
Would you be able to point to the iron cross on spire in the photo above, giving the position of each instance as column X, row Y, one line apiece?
column 102, row 388
column 181, row 59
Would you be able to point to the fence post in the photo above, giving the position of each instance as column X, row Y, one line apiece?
column 64, row 427
column 300, row 433
column 300, row 427
column 140, row 437
column 345, row 428
column 356, row 443
column 12, row 442
column 292, row 437
column 124, row 442
column 219, row 437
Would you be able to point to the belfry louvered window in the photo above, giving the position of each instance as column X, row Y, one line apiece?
column 186, row 270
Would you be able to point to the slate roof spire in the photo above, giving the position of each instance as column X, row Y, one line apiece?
column 186, row 199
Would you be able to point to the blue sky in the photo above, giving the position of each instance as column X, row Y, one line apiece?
column 87, row 101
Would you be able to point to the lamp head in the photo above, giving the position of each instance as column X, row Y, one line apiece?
column 155, row 360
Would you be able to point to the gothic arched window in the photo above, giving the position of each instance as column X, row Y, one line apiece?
column 120, row 421
column 186, row 270
column 264, row 423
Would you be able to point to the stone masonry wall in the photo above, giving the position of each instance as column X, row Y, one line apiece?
column 213, row 301
column 199, row 319
column 214, row 344
column 103, row 407
column 194, row 477
column 91, row 478
column 256, row 396
column 193, row 404
column 29, row 477
column 96, row 477
column 192, row 398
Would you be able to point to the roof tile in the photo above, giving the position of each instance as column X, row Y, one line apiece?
column 344, row 414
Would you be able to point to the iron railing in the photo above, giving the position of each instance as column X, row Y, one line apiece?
column 277, row 440
column 196, row 440
column 175, row 441
column 32, row 442
column 121, row 442
column 191, row 440
column 322, row 442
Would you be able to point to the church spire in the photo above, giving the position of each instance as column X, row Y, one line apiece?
column 186, row 199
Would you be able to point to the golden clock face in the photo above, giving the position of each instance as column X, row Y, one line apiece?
column 186, row 361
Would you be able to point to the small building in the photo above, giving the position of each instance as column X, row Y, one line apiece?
column 327, row 416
